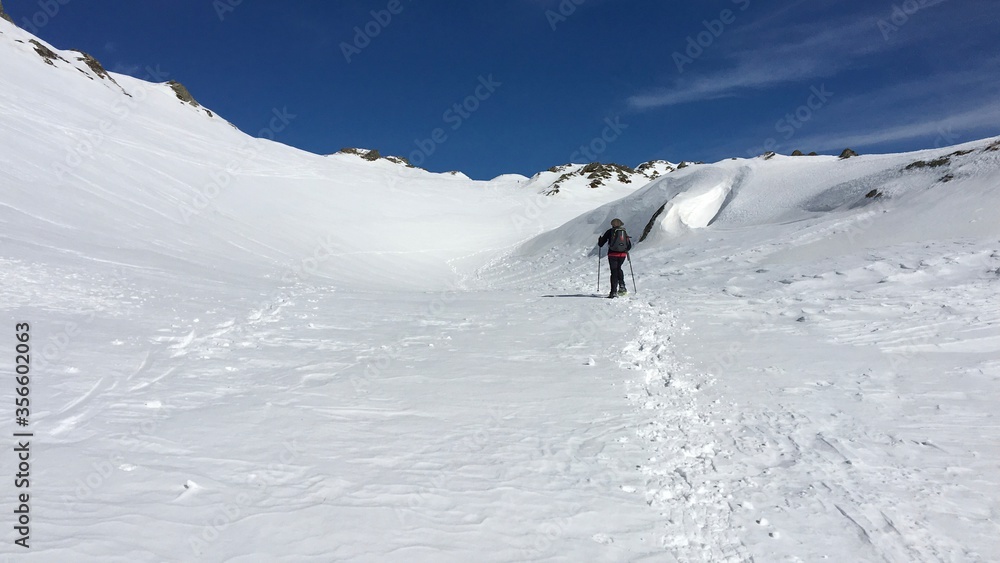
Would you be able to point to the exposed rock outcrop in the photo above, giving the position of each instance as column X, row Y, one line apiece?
column 4, row 15
column 372, row 155
column 94, row 65
column 655, row 168
column 182, row 93
column 97, row 68
column 686, row 163
column 598, row 174
column 944, row 160
column 48, row 54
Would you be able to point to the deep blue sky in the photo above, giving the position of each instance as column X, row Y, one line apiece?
column 921, row 79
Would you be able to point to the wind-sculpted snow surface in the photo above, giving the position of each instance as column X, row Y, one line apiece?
column 244, row 352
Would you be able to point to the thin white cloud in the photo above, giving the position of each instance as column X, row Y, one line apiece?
column 725, row 84
column 757, row 69
column 985, row 117
column 126, row 68
column 791, row 53
column 956, row 104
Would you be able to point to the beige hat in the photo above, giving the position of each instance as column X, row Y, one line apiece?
column 617, row 223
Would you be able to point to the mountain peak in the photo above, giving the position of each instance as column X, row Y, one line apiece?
column 373, row 155
column 655, row 168
column 597, row 174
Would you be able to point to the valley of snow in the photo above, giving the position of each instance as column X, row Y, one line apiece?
column 243, row 352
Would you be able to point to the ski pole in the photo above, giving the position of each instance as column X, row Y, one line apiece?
column 598, row 269
column 629, row 256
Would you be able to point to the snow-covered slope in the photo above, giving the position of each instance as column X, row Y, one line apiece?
column 817, row 350
column 935, row 193
column 154, row 180
column 243, row 352
column 578, row 179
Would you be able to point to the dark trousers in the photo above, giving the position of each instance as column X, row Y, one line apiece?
column 617, row 275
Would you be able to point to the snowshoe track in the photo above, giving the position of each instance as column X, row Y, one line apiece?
column 682, row 481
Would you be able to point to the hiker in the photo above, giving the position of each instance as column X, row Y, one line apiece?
column 619, row 243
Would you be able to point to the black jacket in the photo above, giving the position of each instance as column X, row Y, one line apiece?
column 606, row 238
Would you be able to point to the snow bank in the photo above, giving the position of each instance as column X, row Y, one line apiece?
column 946, row 199
column 682, row 200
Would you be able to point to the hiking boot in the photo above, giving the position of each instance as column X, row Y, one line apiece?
column 612, row 295
column 623, row 291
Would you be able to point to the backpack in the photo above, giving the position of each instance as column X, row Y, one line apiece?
column 619, row 241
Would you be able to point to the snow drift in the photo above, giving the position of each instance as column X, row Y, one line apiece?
column 953, row 196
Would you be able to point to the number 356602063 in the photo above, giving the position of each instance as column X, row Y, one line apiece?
column 22, row 369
